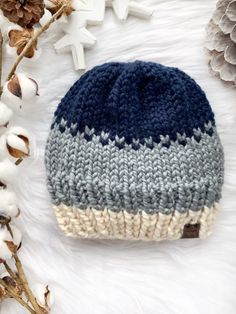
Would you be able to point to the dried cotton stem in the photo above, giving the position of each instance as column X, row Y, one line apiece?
column 1, row 43
column 10, row 271
column 23, row 280
column 16, row 296
column 25, row 284
column 33, row 39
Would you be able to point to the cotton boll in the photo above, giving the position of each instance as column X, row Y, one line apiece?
column 5, row 252
column 5, row 114
column 18, row 140
column 46, row 17
column 8, row 204
column 3, row 148
column 18, row 130
column 17, row 146
column 29, row 87
column 8, row 171
column 18, row 89
column 15, row 142
column 10, row 99
column 43, row 295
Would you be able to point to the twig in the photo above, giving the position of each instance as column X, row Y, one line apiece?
column 16, row 296
column 33, row 39
column 12, row 274
column 10, row 271
column 23, row 280
column 1, row 43
column 25, row 284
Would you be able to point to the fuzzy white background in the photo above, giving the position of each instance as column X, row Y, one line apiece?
column 104, row 277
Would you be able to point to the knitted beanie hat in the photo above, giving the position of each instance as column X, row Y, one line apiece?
column 133, row 153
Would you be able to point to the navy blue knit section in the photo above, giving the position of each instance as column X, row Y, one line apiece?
column 135, row 100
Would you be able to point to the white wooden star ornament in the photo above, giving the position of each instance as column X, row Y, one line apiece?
column 123, row 8
column 92, row 12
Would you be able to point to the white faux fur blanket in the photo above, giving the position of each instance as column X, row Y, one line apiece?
column 104, row 277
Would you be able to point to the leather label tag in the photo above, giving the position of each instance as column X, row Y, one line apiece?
column 191, row 231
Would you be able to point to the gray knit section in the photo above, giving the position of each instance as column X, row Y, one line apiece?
column 86, row 173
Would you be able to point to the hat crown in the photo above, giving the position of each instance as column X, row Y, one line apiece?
column 136, row 101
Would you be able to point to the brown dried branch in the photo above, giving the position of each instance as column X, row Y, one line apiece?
column 23, row 280
column 25, row 284
column 34, row 39
column 1, row 44
column 18, row 298
column 10, row 271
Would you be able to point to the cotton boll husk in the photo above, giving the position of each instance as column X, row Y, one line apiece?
column 17, row 143
column 24, row 89
column 17, row 235
column 43, row 295
column 8, row 171
column 5, row 114
column 8, row 204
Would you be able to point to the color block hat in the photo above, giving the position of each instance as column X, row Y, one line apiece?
column 133, row 153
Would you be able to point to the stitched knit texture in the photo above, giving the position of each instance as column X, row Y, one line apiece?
column 133, row 153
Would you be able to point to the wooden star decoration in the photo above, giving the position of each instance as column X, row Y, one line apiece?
column 92, row 12
column 123, row 8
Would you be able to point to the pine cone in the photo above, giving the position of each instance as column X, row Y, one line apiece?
column 25, row 13
column 221, row 40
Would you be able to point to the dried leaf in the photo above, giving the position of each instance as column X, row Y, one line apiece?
column 36, row 84
column 16, row 153
column 20, row 38
column 25, row 139
column 9, row 281
column 14, row 86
